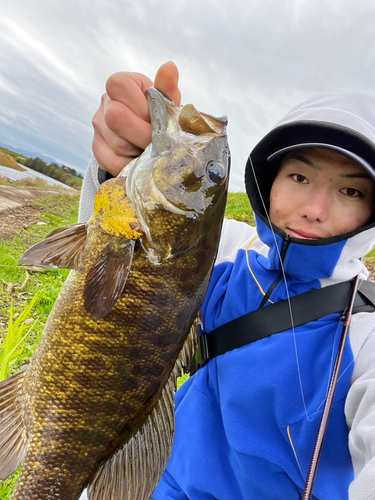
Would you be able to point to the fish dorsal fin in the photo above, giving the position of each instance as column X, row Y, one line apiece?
column 61, row 248
column 107, row 276
column 135, row 469
column 12, row 434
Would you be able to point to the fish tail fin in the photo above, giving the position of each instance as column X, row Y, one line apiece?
column 12, row 433
column 135, row 469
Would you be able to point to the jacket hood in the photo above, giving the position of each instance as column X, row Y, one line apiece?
column 339, row 120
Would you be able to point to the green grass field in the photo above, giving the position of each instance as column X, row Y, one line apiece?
column 57, row 211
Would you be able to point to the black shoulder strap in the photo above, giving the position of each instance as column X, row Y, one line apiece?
column 365, row 300
column 275, row 318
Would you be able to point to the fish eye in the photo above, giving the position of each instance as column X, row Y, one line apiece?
column 216, row 172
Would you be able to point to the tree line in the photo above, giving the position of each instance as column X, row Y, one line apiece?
column 62, row 173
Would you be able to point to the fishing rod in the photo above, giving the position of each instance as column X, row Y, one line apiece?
column 307, row 492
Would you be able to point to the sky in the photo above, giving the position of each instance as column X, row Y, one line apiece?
column 251, row 60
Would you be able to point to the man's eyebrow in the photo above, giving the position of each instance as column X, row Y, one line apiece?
column 350, row 175
column 303, row 159
column 357, row 175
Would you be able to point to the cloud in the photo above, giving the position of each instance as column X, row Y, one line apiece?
column 248, row 59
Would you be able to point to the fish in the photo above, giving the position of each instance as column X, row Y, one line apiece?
column 94, row 407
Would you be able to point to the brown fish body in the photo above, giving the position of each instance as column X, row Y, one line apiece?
column 96, row 400
column 96, row 380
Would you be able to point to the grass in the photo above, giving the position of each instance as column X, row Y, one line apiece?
column 370, row 257
column 15, row 155
column 7, row 486
column 57, row 211
column 238, row 207
column 28, row 182
column 7, row 160
column 15, row 340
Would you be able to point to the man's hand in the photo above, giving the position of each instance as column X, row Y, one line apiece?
column 122, row 128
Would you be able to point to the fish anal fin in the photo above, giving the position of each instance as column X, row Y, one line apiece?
column 62, row 248
column 135, row 469
column 107, row 276
column 12, row 433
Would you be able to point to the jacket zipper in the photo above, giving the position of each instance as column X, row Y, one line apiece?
column 284, row 248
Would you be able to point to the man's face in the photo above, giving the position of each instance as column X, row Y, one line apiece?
column 319, row 193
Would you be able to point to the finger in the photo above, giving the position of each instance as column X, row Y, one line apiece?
column 106, row 158
column 123, row 122
column 166, row 80
column 118, row 145
column 121, row 147
column 128, row 89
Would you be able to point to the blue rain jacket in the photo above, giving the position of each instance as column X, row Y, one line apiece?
column 246, row 422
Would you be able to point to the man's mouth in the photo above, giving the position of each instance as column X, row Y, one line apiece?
column 302, row 234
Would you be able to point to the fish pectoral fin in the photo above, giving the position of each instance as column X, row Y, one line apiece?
column 61, row 248
column 107, row 276
column 135, row 469
column 12, row 433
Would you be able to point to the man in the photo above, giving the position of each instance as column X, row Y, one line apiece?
column 247, row 421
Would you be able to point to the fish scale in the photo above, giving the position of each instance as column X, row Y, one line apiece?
column 96, row 402
column 137, row 387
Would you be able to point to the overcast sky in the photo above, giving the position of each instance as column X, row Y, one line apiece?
column 249, row 59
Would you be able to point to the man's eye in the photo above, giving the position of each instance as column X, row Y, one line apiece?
column 301, row 179
column 352, row 193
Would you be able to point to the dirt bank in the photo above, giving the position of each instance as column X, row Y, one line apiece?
column 18, row 213
column 18, row 196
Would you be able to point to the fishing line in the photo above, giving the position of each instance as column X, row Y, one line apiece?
column 311, row 473
column 309, row 419
column 331, row 365
column 286, row 288
column 332, row 357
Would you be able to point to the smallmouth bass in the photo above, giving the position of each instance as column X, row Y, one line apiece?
column 94, row 406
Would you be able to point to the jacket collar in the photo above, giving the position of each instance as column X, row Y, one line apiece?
column 307, row 260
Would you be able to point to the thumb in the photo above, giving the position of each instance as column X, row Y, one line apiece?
column 166, row 80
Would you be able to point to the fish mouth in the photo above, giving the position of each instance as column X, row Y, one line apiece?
column 163, row 113
column 176, row 132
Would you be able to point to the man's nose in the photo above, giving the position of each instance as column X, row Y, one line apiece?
column 315, row 206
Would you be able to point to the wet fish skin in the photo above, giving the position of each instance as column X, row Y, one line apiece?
column 96, row 387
